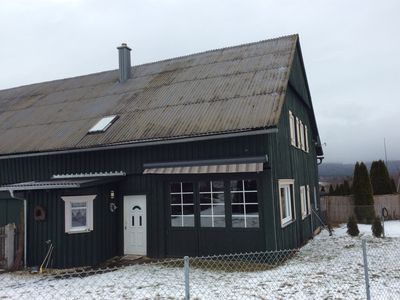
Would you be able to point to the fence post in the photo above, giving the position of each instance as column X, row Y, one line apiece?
column 9, row 231
column 364, row 249
column 383, row 209
column 186, row 268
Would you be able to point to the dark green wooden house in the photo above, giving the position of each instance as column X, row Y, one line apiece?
column 208, row 153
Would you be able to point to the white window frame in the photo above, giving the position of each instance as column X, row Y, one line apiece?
column 303, row 202
column 292, row 127
column 298, row 143
column 307, row 148
column 288, row 185
column 308, row 200
column 302, row 144
column 88, row 200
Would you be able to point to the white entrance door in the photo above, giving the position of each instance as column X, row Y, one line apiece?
column 135, row 234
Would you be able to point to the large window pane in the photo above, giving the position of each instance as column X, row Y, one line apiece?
column 212, row 204
column 285, row 195
column 182, row 204
column 78, row 217
column 244, row 203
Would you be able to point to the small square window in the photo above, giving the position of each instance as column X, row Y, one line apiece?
column 78, row 213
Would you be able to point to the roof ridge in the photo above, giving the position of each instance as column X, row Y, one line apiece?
column 218, row 49
column 155, row 62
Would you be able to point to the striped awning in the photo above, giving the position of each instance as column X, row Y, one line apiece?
column 235, row 165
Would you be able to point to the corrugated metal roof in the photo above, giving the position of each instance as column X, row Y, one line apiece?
column 226, row 90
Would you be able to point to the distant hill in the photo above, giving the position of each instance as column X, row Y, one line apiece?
column 335, row 170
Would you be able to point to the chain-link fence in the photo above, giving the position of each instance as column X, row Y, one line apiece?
column 329, row 269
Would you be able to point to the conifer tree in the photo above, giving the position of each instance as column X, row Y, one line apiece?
column 331, row 190
column 380, row 178
column 363, row 199
column 352, row 227
column 346, row 188
column 377, row 228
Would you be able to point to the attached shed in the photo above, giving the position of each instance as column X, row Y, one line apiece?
column 208, row 153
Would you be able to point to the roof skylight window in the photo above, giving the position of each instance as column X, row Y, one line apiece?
column 103, row 124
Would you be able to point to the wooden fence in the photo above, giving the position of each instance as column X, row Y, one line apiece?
column 338, row 209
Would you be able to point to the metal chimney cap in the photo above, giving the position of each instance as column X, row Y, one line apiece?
column 124, row 46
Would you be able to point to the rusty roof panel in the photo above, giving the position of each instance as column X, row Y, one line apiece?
column 225, row 90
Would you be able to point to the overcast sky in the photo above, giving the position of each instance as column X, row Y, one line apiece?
column 350, row 48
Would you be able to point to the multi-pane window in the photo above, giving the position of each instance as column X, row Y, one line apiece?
column 182, row 204
column 244, row 203
column 298, row 133
column 285, row 200
column 212, row 203
column 292, row 129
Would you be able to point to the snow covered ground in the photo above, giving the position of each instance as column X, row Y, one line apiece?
column 326, row 268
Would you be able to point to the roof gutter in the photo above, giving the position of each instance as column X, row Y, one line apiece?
column 148, row 143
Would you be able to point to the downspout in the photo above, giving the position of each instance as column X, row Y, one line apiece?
column 12, row 195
